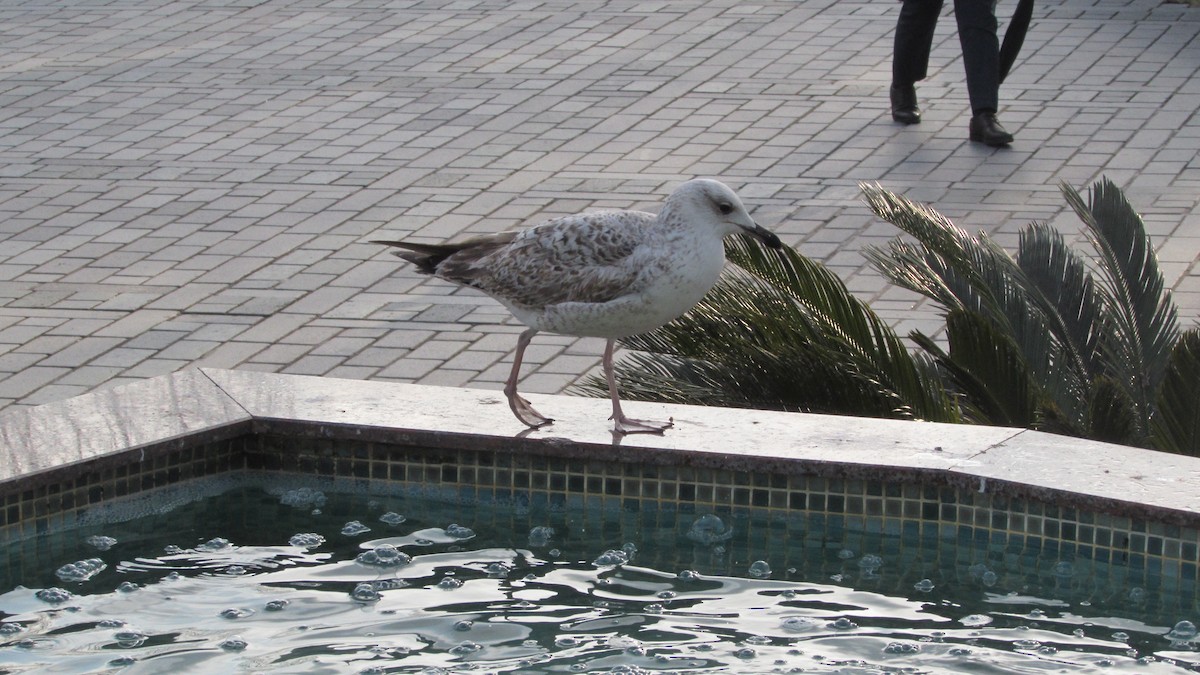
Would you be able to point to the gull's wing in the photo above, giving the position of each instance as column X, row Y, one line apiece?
column 581, row 258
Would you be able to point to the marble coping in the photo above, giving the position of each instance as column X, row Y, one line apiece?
column 127, row 423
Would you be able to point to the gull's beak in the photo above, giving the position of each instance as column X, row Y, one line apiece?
column 766, row 236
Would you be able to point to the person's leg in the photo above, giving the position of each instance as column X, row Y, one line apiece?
column 910, row 57
column 914, row 40
column 977, row 26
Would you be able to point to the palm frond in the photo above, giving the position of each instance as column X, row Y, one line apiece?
column 988, row 368
column 1067, row 292
column 1142, row 316
column 964, row 272
column 1176, row 427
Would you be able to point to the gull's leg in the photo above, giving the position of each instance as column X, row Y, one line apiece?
column 621, row 423
column 520, row 406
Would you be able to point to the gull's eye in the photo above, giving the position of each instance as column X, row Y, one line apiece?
column 725, row 208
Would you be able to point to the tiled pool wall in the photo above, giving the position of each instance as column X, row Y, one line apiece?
column 907, row 519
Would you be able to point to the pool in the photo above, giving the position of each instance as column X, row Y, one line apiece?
column 822, row 544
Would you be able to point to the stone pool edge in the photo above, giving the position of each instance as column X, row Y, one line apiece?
column 132, row 423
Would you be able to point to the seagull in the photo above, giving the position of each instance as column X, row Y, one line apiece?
column 607, row 274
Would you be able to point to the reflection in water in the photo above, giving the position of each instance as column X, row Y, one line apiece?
column 254, row 581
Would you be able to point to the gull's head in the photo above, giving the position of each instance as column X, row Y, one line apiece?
column 703, row 201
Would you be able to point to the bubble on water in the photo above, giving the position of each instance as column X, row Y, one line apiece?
column 975, row 620
column 842, row 624
column 923, row 586
column 129, row 638
column 988, row 578
column 392, row 518
column 449, row 584
column 172, row 549
column 354, row 528
column 654, row 608
column 1120, row 636
column 306, row 540
column 1137, row 594
column 465, row 647
column 611, row 558
column 233, row 643
column 1026, row 644
column 846, row 554
column 1047, row 650
column 1078, row 632
column 110, row 623
column 759, row 569
column 236, row 613
column 800, row 624
column 100, row 542
column 1064, row 569
column 459, row 532
column 10, row 628
column 235, row 570
column 758, row 640
column 667, row 595
column 464, row 625
column 902, row 648
column 422, row 541
column 1106, row 663
column 384, row 555
column 127, row 587
column 567, row 641
column 870, row 563
column 172, row 576
column 554, row 553
column 745, row 653
column 1036, row 614
column 630, row 549
column 688, row 575
column 960, row 651
column 365, row 592
column 122, row 662
column 540, row 536
column 215, row 544
column 1184, row 631
column 80, row 571
column 303, row 498
column 709, row 529
column 53, row 595
column 276, row 605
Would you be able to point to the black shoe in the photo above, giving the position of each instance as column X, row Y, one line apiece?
column 986, row 129
column 904, row 104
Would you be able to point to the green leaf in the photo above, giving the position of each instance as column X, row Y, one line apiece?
column 1141, row 318
column 1176, row 427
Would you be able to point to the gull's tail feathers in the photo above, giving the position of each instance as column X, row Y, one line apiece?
column 425, row 256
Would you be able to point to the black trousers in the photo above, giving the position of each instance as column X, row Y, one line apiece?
column 977, row 28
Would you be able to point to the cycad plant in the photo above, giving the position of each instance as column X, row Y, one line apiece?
column 1045, row 339
column 1050, row 339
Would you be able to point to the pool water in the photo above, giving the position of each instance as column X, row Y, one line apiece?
column 304, row 577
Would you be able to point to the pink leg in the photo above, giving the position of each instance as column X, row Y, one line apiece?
column 621, row 423
column 520, row 406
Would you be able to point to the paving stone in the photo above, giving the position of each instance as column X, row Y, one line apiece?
column 213, row 206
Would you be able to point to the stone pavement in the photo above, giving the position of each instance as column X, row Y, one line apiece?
column 191, row 182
